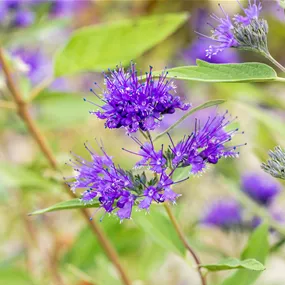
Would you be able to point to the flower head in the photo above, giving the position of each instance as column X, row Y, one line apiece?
column 154, row 159
column 135, row 105
column 226, row 213
column 275, row 166
column 261, row 188
column 207, row 144
column 251, row 12
column 118, row 190
column 242, row 31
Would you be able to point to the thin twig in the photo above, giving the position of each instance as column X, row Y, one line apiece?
column 39, row 88
column 42, row 142
column 185, row 242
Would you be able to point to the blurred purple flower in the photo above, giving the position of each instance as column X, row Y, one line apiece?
column 61, row 8
column 261, row 188
column 135, row 105
column 38, row 65
column 276, row 215
column 23, row 18
column 225, row 213
column 207, row 144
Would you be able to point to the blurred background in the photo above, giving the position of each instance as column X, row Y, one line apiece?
column 58, row 248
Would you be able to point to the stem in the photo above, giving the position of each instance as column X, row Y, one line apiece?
column 185, row 242
column 22, row 107
column 39, row 88
column 274, row 61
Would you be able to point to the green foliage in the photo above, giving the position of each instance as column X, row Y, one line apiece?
column 181, row 173
column 15, row 276
column 67, row 205
column 233, row 263
column 60, row 109
column 13, row 176
column 209, row 72
column 192, row 111
column 258, row 248
column 105, row 46
column 159, row 229
column 86, row 249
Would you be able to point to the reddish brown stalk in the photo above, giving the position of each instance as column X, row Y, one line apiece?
column 23, row 111
column 185, row 242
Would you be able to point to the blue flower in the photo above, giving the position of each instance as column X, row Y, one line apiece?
column 261, row 188
column 154, row 159
column 23, row 18
column 238, row 32
column 251, row 12
column 136, row 105
column 225, row 213
column 207, row 144
column 105, row 181
column 118, row 190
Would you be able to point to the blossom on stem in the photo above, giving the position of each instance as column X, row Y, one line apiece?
column 136, row 105
column 154, row 159
column 118, row 190
column 241, row 31
column 207, row 144
column 105, row 181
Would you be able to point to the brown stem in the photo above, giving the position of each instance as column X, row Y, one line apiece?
column 45, row 148
column 185, row 242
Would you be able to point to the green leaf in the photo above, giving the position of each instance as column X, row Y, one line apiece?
column 11, row 276
column 209, row 72
column 158, row 227
column 67, row 205
column 192, row 111
column 181, row 173
column 85, row 249
column 104, row 46
column 60, row 109
column 233, row 263
column 258, row 248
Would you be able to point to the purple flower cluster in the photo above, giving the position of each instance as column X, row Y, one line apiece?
column 224, row 34
column 207, row 144
column 118, row 190
column 17, row 13
column 228, row 213
column 224, row 213
column 261, row 188
column 196, row 49
column 136, row 105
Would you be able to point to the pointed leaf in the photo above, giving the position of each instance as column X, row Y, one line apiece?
column 67, row 205
column 258, row 248
column 233, row 263
column 104, row 46
column 209, row 72
column 192, row 111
